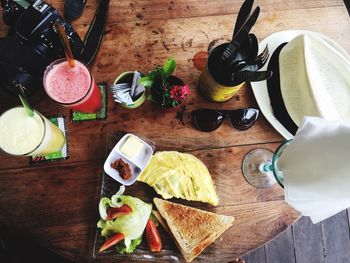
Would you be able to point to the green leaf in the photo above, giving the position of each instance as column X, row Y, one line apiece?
column 154, row 219
column 102, row 207
column 146, row 81
column 131, row 225
column 168, row 68
column 122, row 249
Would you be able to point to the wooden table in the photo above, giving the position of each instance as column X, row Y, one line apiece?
column 55, row 204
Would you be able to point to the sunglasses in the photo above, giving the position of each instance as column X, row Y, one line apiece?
column 208, row 120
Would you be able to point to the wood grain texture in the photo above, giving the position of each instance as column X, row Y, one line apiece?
column 256, row 256
column 281, row 249
column 308, row 241
column 149, row 10
column 56, row 203
column 336, row 238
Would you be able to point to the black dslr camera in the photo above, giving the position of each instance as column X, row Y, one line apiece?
column 35, row 28
column 33, row 43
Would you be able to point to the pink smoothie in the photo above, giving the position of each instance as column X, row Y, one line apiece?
column 65, row 84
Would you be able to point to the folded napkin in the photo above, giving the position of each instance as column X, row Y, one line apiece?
column 316, row 168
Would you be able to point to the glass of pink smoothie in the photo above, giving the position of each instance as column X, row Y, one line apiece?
column 72, row 87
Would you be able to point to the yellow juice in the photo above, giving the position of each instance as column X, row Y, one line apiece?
column 21, row 134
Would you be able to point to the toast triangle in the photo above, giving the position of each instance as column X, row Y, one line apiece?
column 192, row 229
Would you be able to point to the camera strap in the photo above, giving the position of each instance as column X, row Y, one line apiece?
column 72, row 9
column 95, row 33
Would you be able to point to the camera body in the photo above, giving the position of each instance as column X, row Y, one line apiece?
column 35, row 27
column 32, row 42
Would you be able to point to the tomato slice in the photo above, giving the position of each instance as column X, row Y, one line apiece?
column 112, row 241
column 114, row 212
column 153, row 238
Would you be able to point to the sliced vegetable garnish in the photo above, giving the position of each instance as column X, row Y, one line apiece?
column 102, row 207
column 153, row 238
column 112, row 241
column 154, row 219
column 115, row 201
column 114, row 212
column 131, row 225
column 122, row 249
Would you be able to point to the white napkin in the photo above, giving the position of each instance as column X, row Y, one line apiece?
column 316, row 168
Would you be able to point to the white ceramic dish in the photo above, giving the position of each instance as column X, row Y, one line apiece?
column 137, row 164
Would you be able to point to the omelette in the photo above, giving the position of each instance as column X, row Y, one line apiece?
column 180, row 175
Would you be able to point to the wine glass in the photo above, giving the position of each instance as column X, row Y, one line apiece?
column 260, row 167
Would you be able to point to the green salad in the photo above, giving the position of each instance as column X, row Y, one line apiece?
column 123, row 221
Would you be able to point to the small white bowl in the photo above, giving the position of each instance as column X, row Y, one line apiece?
column 137, row 164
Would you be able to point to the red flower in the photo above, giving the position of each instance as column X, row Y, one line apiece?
column 179, row 93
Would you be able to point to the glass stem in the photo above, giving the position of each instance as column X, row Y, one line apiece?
column 265, row 167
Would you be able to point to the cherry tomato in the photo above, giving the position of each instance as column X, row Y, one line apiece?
column 114, row 212
column 153, row 238
column 112, row 241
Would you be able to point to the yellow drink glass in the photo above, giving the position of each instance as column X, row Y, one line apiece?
column 24, row 135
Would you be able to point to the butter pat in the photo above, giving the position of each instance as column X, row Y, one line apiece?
column 131, row 147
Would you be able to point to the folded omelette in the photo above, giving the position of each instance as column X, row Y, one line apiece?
column 180, row 175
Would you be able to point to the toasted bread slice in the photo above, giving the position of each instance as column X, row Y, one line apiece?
column 192, row 229
column 161, row 220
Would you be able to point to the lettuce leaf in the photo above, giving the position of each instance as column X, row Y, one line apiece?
column 115, row 200
column 122, row 249
column 131, row 225
column 102, row 207
column 105, row 202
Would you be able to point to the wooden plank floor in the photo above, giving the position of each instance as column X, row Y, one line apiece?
column 304, row 242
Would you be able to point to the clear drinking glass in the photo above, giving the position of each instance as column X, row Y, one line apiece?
column 74, row 88
column 260, row 167
column 24, row 135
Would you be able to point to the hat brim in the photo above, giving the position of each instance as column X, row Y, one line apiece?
column 260, row 89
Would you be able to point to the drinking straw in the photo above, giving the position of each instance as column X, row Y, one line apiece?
column 22, row 96
column 64, row 40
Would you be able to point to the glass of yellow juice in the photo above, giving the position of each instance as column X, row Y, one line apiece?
column 24, row 135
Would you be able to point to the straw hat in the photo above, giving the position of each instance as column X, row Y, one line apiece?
column 315, row 78
column 312, row 79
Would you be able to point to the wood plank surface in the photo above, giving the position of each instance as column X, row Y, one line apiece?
column 281, row 249
column 308, row 241
column 149, row 10
column 336, row 238
column 257, row 256
column 56, row 203
column 323, row 242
